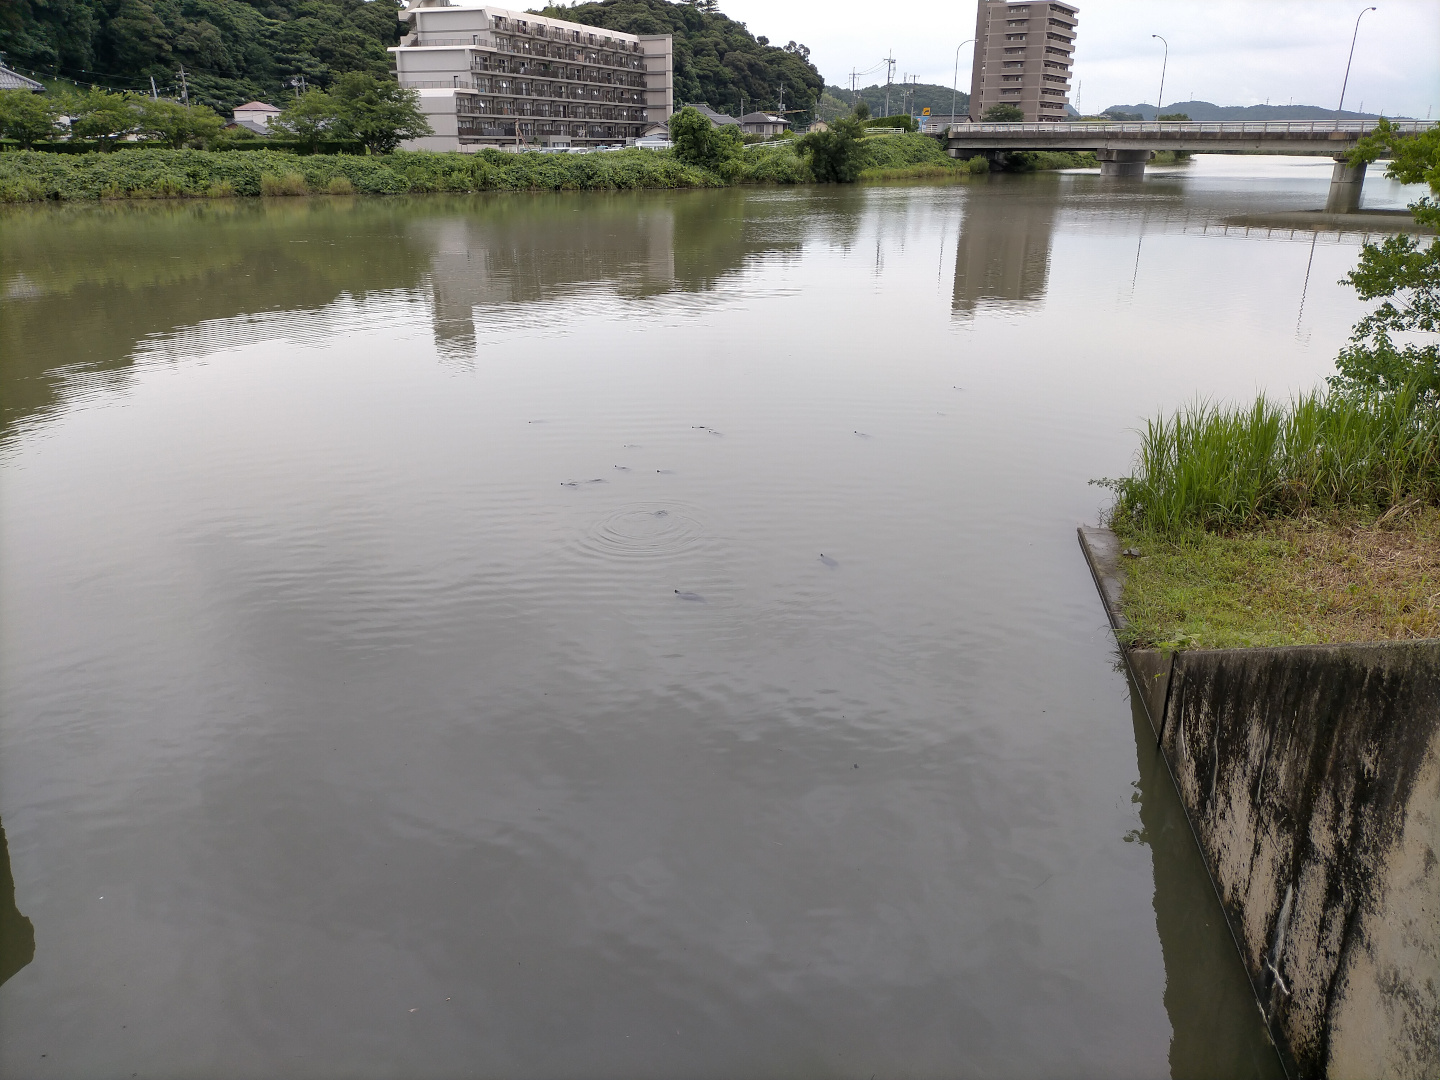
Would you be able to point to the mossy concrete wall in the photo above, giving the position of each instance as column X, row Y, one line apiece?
column 1311, row 778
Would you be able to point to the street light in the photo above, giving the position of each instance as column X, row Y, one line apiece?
column 1163, row 63
column 1346, row 83
column 955, row 96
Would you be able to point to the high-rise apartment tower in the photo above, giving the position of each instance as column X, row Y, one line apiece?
column 1023, row 53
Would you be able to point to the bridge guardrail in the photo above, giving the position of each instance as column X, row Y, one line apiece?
column 1225, row 127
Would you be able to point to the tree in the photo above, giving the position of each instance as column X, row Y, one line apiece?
column 27, row 118
column 175, row 124
column 232, row 50
column 1404, row 274
column 717, row 59
column 379, row 112
column 313, row 116
column 862, row 111
column 98, row 114
column 836, row 156
column 1003, row 113
column 699, row 142
column 1174, row 117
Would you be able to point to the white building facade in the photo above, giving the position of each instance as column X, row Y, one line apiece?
column 488, row 76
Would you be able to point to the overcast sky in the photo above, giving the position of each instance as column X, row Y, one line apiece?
column 1226, row 51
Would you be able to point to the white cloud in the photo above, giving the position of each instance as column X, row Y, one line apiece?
column 1231, row 52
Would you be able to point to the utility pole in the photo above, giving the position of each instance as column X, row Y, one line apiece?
column 184, row 86
column 889, row 78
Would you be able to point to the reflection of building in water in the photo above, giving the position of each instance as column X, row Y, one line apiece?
column 1003, row 256
column 518, row 266
column 17, row 936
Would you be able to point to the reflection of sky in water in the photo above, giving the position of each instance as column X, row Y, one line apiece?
column 390, row 750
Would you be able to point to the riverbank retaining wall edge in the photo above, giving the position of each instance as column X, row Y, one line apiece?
column 1311, row 778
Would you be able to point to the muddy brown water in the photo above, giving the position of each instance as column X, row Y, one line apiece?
column 353, row 720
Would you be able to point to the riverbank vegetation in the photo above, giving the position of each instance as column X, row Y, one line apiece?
column 1314, row 520
column 153, row 172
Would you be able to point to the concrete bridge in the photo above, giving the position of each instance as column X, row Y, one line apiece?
column 1124, row 147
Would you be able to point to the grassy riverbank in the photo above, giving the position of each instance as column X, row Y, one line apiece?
column 1315, row 521
column 151, row 173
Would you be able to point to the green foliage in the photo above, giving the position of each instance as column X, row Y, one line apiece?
column 27, row 118
column 717, row 60
column 311, row 117
column 900, row 120
column 836, row 156
column 1003, row 113
column 177, row 125
column 862, row 110
column 378, row 113
column 28, row 176
column 1174, row 117
column 837, row 101
column 1404, row 274
column 1023, row 161
column 232, row 50
column 1210, row 467
column 100, row 115
column 699, row 142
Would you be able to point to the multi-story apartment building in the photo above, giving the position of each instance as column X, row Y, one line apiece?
column 488, row 76
column 1023, row 55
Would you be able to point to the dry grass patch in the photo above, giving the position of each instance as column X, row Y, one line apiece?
column 1287, row 582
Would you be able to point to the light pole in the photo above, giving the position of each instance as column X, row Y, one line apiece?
column 955, row 96
column 1163, row 64
column 1346, row 83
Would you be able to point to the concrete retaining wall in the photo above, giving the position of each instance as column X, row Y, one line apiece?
column 1311, row 778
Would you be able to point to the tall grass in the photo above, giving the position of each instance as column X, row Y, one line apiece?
column 1213, row 467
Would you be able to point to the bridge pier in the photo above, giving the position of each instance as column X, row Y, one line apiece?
column 1345, row 184
column 1128, row 163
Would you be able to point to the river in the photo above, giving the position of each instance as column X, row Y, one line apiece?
column 613, row 635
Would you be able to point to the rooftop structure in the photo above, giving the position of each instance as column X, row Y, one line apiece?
column 489, row 76
column 1023, row 55
column 13, row 80
column 717, row 119
column 255, row 116
column 759, row 123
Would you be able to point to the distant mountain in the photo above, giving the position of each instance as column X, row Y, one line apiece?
column 1205, row 110
column 912, row 98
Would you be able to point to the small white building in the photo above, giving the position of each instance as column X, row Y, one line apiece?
column 255, row 116
column 490, row 76
column 759, row 123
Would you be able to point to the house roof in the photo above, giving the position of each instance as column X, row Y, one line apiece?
column 716, row 118
column 13, row 80
column 762, row 118
column 256, row 106
column 250, row 125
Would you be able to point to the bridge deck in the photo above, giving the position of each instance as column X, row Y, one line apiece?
column 1284, row 136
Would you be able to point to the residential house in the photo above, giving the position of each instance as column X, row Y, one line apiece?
column 759, row 123
column 255, row 116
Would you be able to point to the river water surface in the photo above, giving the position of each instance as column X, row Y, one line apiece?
column 634, row 635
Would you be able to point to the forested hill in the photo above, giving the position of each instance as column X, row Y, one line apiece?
column 717, row 59
column 914, row 98
column 1204, row 110
column 232, row 50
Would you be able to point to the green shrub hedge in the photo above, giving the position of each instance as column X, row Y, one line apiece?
column 28, row 176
